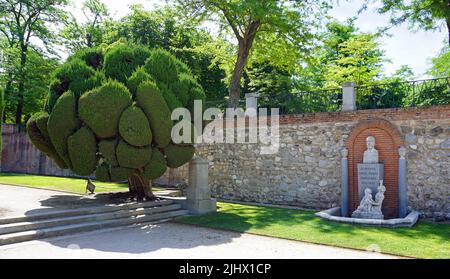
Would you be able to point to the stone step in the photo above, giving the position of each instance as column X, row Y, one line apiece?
column 53, row 222
column 82, row 211
column 87, row 226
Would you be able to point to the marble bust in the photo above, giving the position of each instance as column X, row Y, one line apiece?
column 371, row 154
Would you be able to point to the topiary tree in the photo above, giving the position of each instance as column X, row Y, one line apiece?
column 109, row 114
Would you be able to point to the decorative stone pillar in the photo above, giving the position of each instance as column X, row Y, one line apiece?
column 402, row 188
column 344, row 183
column 198, row 192
column 348, row 96
column 251, row 104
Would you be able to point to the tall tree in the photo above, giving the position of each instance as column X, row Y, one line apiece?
column 440, row 65
column 287, row 21
column 165, row 28
column 21, row 21
column 425, row 14
column 89, row 33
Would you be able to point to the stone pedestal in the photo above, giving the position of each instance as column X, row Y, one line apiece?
column 198, row 192
column 369, row 176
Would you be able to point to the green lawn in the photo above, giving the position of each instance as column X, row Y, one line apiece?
column 73, row 185
column 424, row 240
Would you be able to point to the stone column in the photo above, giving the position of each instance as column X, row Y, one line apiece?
column 402, row 191
column 251, row 104
column 198, row 192
column 348, row 96
column 344, row 183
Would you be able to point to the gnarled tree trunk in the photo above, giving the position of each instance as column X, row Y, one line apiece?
column 140, row 187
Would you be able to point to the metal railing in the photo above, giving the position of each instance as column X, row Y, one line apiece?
column 400, row 94
column 397, row 94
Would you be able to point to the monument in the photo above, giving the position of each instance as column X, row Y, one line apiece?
column 369, row 208
column 370, row 172
column 370, row 180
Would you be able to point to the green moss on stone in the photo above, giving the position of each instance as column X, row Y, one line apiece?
column 62, row 123
column 156, row 167
column 132, row 157
column 102, row 107
column 151, row 101
column 82, row 148
column 107, row 148
column 178, row 155
column 134, row 127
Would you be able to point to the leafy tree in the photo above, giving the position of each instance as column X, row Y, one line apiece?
column 2, row 106
column 272, row 84
column 88, row 34
column 38, row 69
column 441, row 64
column 115, row 120
column 359, row 60
column 265, row 24
column 20, row 21
column 165, row 28
column 424, row 14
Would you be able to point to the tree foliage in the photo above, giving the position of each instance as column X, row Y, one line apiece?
column 273, row 26
column 423, row 14
column 126, row 129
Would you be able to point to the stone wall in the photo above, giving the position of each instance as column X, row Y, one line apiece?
column 306, row 171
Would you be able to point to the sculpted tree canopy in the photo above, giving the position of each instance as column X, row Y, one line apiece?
column 108, row 113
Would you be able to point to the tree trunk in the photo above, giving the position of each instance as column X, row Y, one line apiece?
column 23, row 60
column 448, row 30
column 140, row 187
column 245, row 44
column 235, row 85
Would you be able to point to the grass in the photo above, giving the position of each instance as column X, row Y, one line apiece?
column 72, row 185
column 424, row 240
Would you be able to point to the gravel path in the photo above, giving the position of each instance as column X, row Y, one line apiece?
column 164, row 240
column 173, row 240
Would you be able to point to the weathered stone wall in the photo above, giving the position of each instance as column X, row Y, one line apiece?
column 306, row 171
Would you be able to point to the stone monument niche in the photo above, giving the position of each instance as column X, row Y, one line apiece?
column 373, row 159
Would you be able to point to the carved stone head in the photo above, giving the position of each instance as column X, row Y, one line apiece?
column 370, row 141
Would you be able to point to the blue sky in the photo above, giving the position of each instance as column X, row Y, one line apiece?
column 402, row 48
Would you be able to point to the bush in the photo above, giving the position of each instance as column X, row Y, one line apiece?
column 149, row 98
column 122, row 60
column 136, row 79
column 93, row 57
column 119, row 174
column 132, row 157
column 156, row 167
column 41, row 139
column 107, row 149
column 102, row 107
column 62, row 123
column 82, row 148
column 178, row 155
column 102, row 173
column 117, row 126
column 134, row 127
